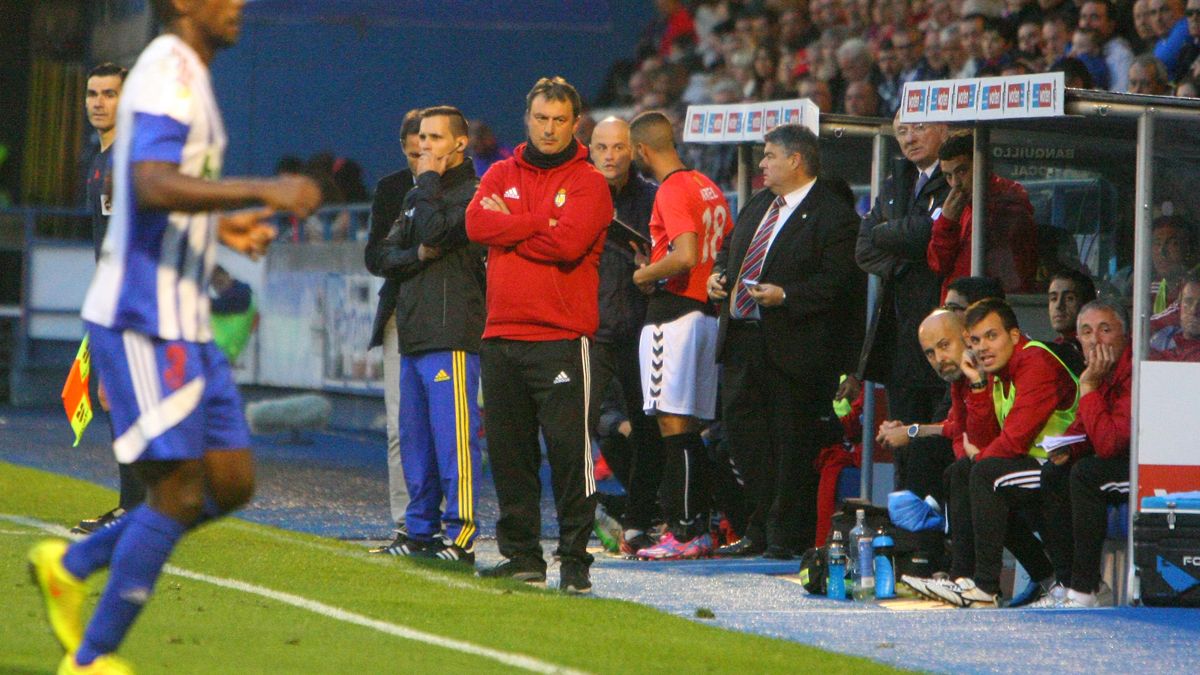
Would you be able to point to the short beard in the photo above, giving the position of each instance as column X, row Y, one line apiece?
column 957, row 374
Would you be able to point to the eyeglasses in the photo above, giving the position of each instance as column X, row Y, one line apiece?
column 953, row 307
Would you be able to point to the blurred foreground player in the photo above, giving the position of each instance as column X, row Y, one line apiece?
column 176, row 413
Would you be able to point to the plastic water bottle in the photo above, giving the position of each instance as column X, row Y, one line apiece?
column 835, row 584
column 864, row 590
column 885, row 567
column 860, row 528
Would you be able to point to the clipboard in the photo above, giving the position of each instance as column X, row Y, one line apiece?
column 624, row 235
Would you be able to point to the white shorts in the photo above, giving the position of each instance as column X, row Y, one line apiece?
column 679, row 366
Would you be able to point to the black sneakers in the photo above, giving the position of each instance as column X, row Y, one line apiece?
column 438, row 549
column 528, row 571
column 574, row 578
column 397, row 544
column 90, row 525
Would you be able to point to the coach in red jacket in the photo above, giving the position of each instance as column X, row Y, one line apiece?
column 1011, row 251
column 1080, row 480
column 543, row 213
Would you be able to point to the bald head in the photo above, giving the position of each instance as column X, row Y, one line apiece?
column 611, row 150
column 941, row 337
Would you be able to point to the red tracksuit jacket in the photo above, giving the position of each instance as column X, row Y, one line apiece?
column 1043, row 386
column 1105, row 414
column 542, row 281
column 1011, row 251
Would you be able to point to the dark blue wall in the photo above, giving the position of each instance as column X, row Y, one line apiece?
column 302, row 86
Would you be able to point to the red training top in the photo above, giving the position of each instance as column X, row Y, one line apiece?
column 956, row 420
column 542, row 280
column 1011, row 253
column 1105, row 414
column 687, row 201
column 1043, row 386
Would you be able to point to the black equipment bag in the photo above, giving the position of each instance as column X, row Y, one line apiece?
column 1166, row 553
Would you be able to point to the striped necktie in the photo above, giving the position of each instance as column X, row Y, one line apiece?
column 744, row 306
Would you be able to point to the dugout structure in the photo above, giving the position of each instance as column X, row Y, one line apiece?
column 1099, row 168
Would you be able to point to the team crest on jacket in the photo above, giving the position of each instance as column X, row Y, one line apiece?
column 560, row 197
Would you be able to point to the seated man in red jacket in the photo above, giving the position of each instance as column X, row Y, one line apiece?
column 1081, row 479
column 1011, row 252
column 1185, row 344
column 1020, row 392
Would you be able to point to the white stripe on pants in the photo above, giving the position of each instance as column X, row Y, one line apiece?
column 397, row 491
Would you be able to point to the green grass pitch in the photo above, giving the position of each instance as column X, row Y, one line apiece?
column 193, row 626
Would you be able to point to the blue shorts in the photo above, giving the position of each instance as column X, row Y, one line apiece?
column 169, row 399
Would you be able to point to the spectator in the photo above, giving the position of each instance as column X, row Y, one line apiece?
column 385, row 209
column 763, row 85
column 997, row 43
column 1087, row 51
column 1143, row 24
column 892, row 243
column 933, row 64
column 909, row 46
column 954, row 54
column 854, row 64
column 1172, row 31
column 673, row 21
column 1069, row 290
column 796, row 30
column 1186, row 343
column 818, row 92
column 1018, row 12
column 1010, row 253
column 827, row 14
column 1056, row 39
column 970, row 33
column 485, row 149
column 1068, row 10
column 891, row 84
column 861, row 99
column 1099, row 17
column 1082, row 479
column 1029, row 43
column 1148, row 75
column 1188, row 62
column 1075, row 74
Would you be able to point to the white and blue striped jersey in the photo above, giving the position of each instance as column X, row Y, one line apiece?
column 154, row 266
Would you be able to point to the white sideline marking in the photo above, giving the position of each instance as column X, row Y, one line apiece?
column 361, row 556
column 508, row 658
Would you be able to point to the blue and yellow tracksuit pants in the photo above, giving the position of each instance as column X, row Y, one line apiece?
column 439, row 443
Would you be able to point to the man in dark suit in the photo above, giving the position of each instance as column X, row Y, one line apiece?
column 791, row 306
column 892, row 243
column 385, row 209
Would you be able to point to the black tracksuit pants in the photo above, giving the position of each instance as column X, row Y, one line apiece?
column 1004, row 493
column 920, row 465
column 529, row 386
column 1076, row 499
column 640, row 470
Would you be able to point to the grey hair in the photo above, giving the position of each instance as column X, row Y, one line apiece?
column 1152, row 63
column 794, row 138
column 1105, row 305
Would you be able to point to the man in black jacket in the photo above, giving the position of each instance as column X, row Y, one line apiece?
column 637, row 463
column 439, row 322
column 389, row 195
column 892, row 243
column 792, row 253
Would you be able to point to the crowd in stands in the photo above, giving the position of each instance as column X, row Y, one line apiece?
column 854, row 56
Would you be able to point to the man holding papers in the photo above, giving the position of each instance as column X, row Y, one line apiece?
column 1082, row 478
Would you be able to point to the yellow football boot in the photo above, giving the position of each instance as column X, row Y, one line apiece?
column 62, row 592
column 103, row 665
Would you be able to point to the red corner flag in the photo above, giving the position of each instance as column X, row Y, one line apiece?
column 76, row 400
